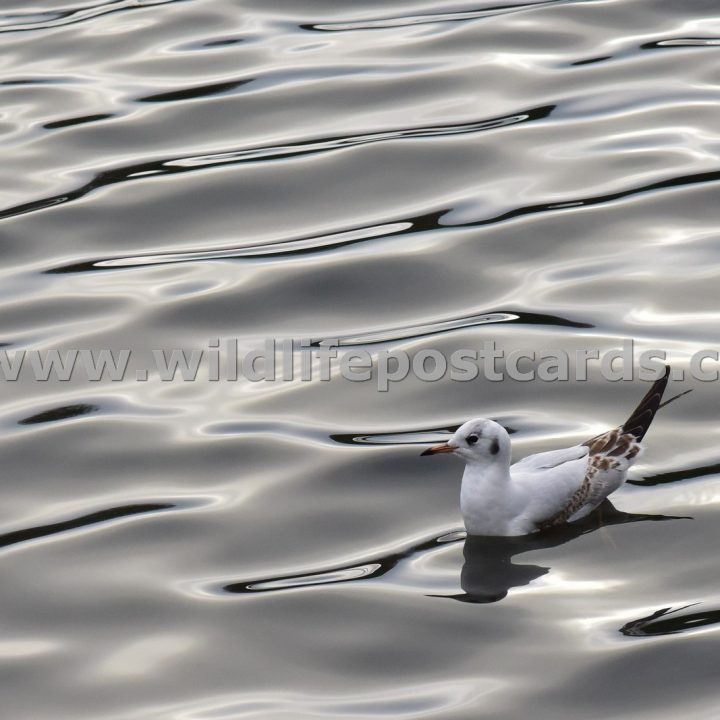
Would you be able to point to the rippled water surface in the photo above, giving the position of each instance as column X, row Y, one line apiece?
column 396, row 174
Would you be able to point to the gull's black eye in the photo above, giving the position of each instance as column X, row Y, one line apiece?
column 471, row 439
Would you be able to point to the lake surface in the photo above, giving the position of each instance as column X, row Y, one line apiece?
column 401, row 175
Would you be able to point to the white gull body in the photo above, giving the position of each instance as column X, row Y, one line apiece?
column 549, row 488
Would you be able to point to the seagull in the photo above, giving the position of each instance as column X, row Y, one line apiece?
column 549, row 488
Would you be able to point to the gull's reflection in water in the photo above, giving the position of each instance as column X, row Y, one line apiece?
column 489, row 572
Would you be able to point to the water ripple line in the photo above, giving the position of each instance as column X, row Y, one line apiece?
column 392, row 228
column 277, row 249
column 60, row 413
column 416, row 331
column 684, row 42
column 407, row 437
column 99, row 517
column 667, row 621
column 317, row 434
column 343, row 573
column 16, row 537
column 267, row 153
column 282, row 77
column 674, row 476
column 81, row 120
column 49, row 19
column 662, row 44
column 431, row 18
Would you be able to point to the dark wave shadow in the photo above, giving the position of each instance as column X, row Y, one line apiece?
column 60, row 413
column 374, row 567
column 294, row 247
column 413, row 332
column 81, row 120
column 195, row 91
column 47, row 19
column 700, row 178
column 449, row 16
column 489, row 572
column 306, row 245
column 403, row 437
column 591, row 61
column 671, row 622
column 683, row 42
column 25, row 81
column 16, row 537
column 179, row 165
column 214, row 43
column 663, row 44
column 305, row 431
column 677, row 475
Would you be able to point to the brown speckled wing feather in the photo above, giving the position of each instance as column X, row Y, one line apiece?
column 610, row 454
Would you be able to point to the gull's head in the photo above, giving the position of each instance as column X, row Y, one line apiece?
column 477, row 441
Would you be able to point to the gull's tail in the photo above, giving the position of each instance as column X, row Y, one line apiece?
column 639, row 422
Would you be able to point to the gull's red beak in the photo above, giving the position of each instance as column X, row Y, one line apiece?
column 436, row 449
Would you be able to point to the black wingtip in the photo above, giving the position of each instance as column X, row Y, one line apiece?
column 639, row 422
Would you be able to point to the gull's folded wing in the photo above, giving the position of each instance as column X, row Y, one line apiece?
column 550, row 459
